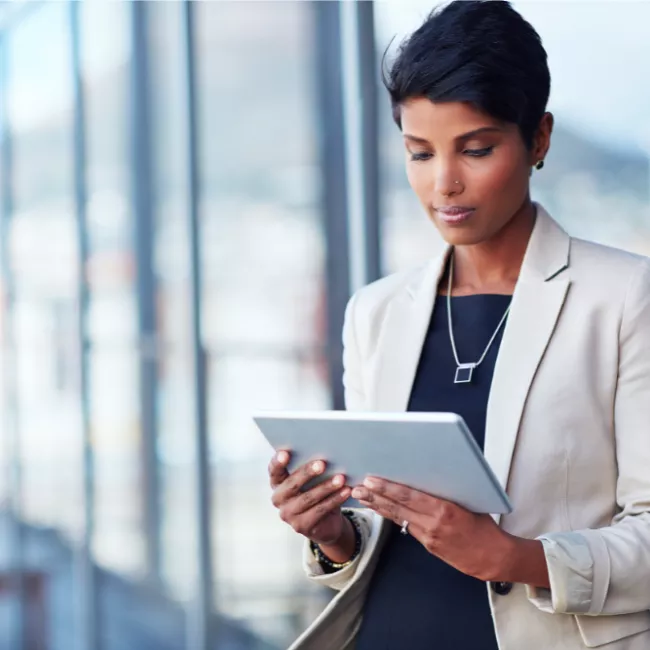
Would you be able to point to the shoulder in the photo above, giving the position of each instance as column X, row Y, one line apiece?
column 377, row 295
column 370, row 304
column 606, row 267
column 606, row 279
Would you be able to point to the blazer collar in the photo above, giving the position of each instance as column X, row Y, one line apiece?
column 548, row 249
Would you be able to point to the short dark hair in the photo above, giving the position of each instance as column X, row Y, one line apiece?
column 478, row 51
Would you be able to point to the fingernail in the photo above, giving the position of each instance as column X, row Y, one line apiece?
column 370, row 483
column 359, row 493
column 345, row 492
column 283, row 457
column 337, row 481
column 318, row 467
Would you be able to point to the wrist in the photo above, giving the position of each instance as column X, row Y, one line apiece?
column 522, row 561
column 505, row 558
column 343, row 550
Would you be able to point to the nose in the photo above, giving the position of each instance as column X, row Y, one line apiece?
column 447, row 180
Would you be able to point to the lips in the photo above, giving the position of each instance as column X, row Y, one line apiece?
column 455, row 215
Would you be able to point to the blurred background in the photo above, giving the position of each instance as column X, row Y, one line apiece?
column 189, row 192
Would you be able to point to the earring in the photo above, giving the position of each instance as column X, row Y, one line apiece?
column 539, row 165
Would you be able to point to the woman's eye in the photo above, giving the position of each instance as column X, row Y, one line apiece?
column 420, row 156
column 479, row 153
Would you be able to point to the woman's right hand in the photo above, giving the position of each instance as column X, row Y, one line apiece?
column 315, row 513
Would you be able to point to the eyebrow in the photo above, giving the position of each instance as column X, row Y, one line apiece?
column 464, row 136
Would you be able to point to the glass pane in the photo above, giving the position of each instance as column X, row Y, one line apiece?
column 597, row 178
column 264, row 286
column 171, row 263
column 119, row 537
column 43, row 260
column 42, row 249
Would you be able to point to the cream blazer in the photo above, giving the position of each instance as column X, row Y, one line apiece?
column 568, row 435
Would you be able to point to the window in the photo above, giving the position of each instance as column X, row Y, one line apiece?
column 175, row 448
column 43, row 254
column 119, row 538
column 263, row 299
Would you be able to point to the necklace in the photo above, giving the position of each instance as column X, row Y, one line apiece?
column 464, row 371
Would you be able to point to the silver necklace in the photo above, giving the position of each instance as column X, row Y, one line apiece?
column 464, row 371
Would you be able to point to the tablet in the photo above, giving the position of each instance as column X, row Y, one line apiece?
column 431, row 452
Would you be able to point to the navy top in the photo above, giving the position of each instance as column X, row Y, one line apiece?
column 416, row 600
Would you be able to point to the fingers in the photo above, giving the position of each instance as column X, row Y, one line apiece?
column 305, row 501
column 291, row 486
column 278, row 468
column 386, row 507
column 413, row 499
column 304, row 510
column 305, row 523
column 398, row 514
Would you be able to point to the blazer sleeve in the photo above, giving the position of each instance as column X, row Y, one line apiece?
column 355, row 400
column 355, row 396
column 607, row 571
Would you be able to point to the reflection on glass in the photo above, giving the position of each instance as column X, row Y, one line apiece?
column 263, row 257
column 42, row 250
column 119, row 541
column 597, row 178
column 171, row 264
column 42, row 260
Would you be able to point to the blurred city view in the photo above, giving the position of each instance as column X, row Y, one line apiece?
column 179, row 235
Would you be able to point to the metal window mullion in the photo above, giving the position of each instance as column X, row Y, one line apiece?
column 11, row 423
column 86, row 584
column 370, row 151
column 142, row 195
column 201, row 632
column 345, row 69
column 359, row 80
column 326, row 24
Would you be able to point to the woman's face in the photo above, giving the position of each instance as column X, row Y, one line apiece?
column 470, row 171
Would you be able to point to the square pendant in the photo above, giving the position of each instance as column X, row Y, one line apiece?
column 464, row 373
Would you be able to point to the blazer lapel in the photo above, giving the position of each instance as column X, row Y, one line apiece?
column 536, row 306
column 403, row 331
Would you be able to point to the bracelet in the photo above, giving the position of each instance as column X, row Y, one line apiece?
column 328, row 565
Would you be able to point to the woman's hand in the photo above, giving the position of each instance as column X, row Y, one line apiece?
column 316, row 513
column 473, row 544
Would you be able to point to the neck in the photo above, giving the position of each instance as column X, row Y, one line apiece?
column 496, row 262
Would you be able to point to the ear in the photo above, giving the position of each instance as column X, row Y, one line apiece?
column 542, row 140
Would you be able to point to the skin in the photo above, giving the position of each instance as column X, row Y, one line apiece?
column 490, row 172
column 456, row 156
column 316, row 513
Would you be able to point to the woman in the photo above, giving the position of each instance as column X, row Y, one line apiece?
column 540, row 341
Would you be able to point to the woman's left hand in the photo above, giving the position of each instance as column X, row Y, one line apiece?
column 473, row 544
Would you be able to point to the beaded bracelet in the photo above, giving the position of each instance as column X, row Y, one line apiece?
column 328, row 565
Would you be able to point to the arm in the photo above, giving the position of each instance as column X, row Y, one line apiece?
column 607, row 571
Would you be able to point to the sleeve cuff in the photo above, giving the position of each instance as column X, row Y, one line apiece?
column 572, row 574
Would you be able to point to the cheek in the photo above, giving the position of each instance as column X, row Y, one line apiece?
column 505, row 173
column 420, row 181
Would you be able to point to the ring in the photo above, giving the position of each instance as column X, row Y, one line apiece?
column 405, row 528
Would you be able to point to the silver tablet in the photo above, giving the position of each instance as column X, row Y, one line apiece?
column 432, row 452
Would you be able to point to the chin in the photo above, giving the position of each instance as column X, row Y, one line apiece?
column 461, row 236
